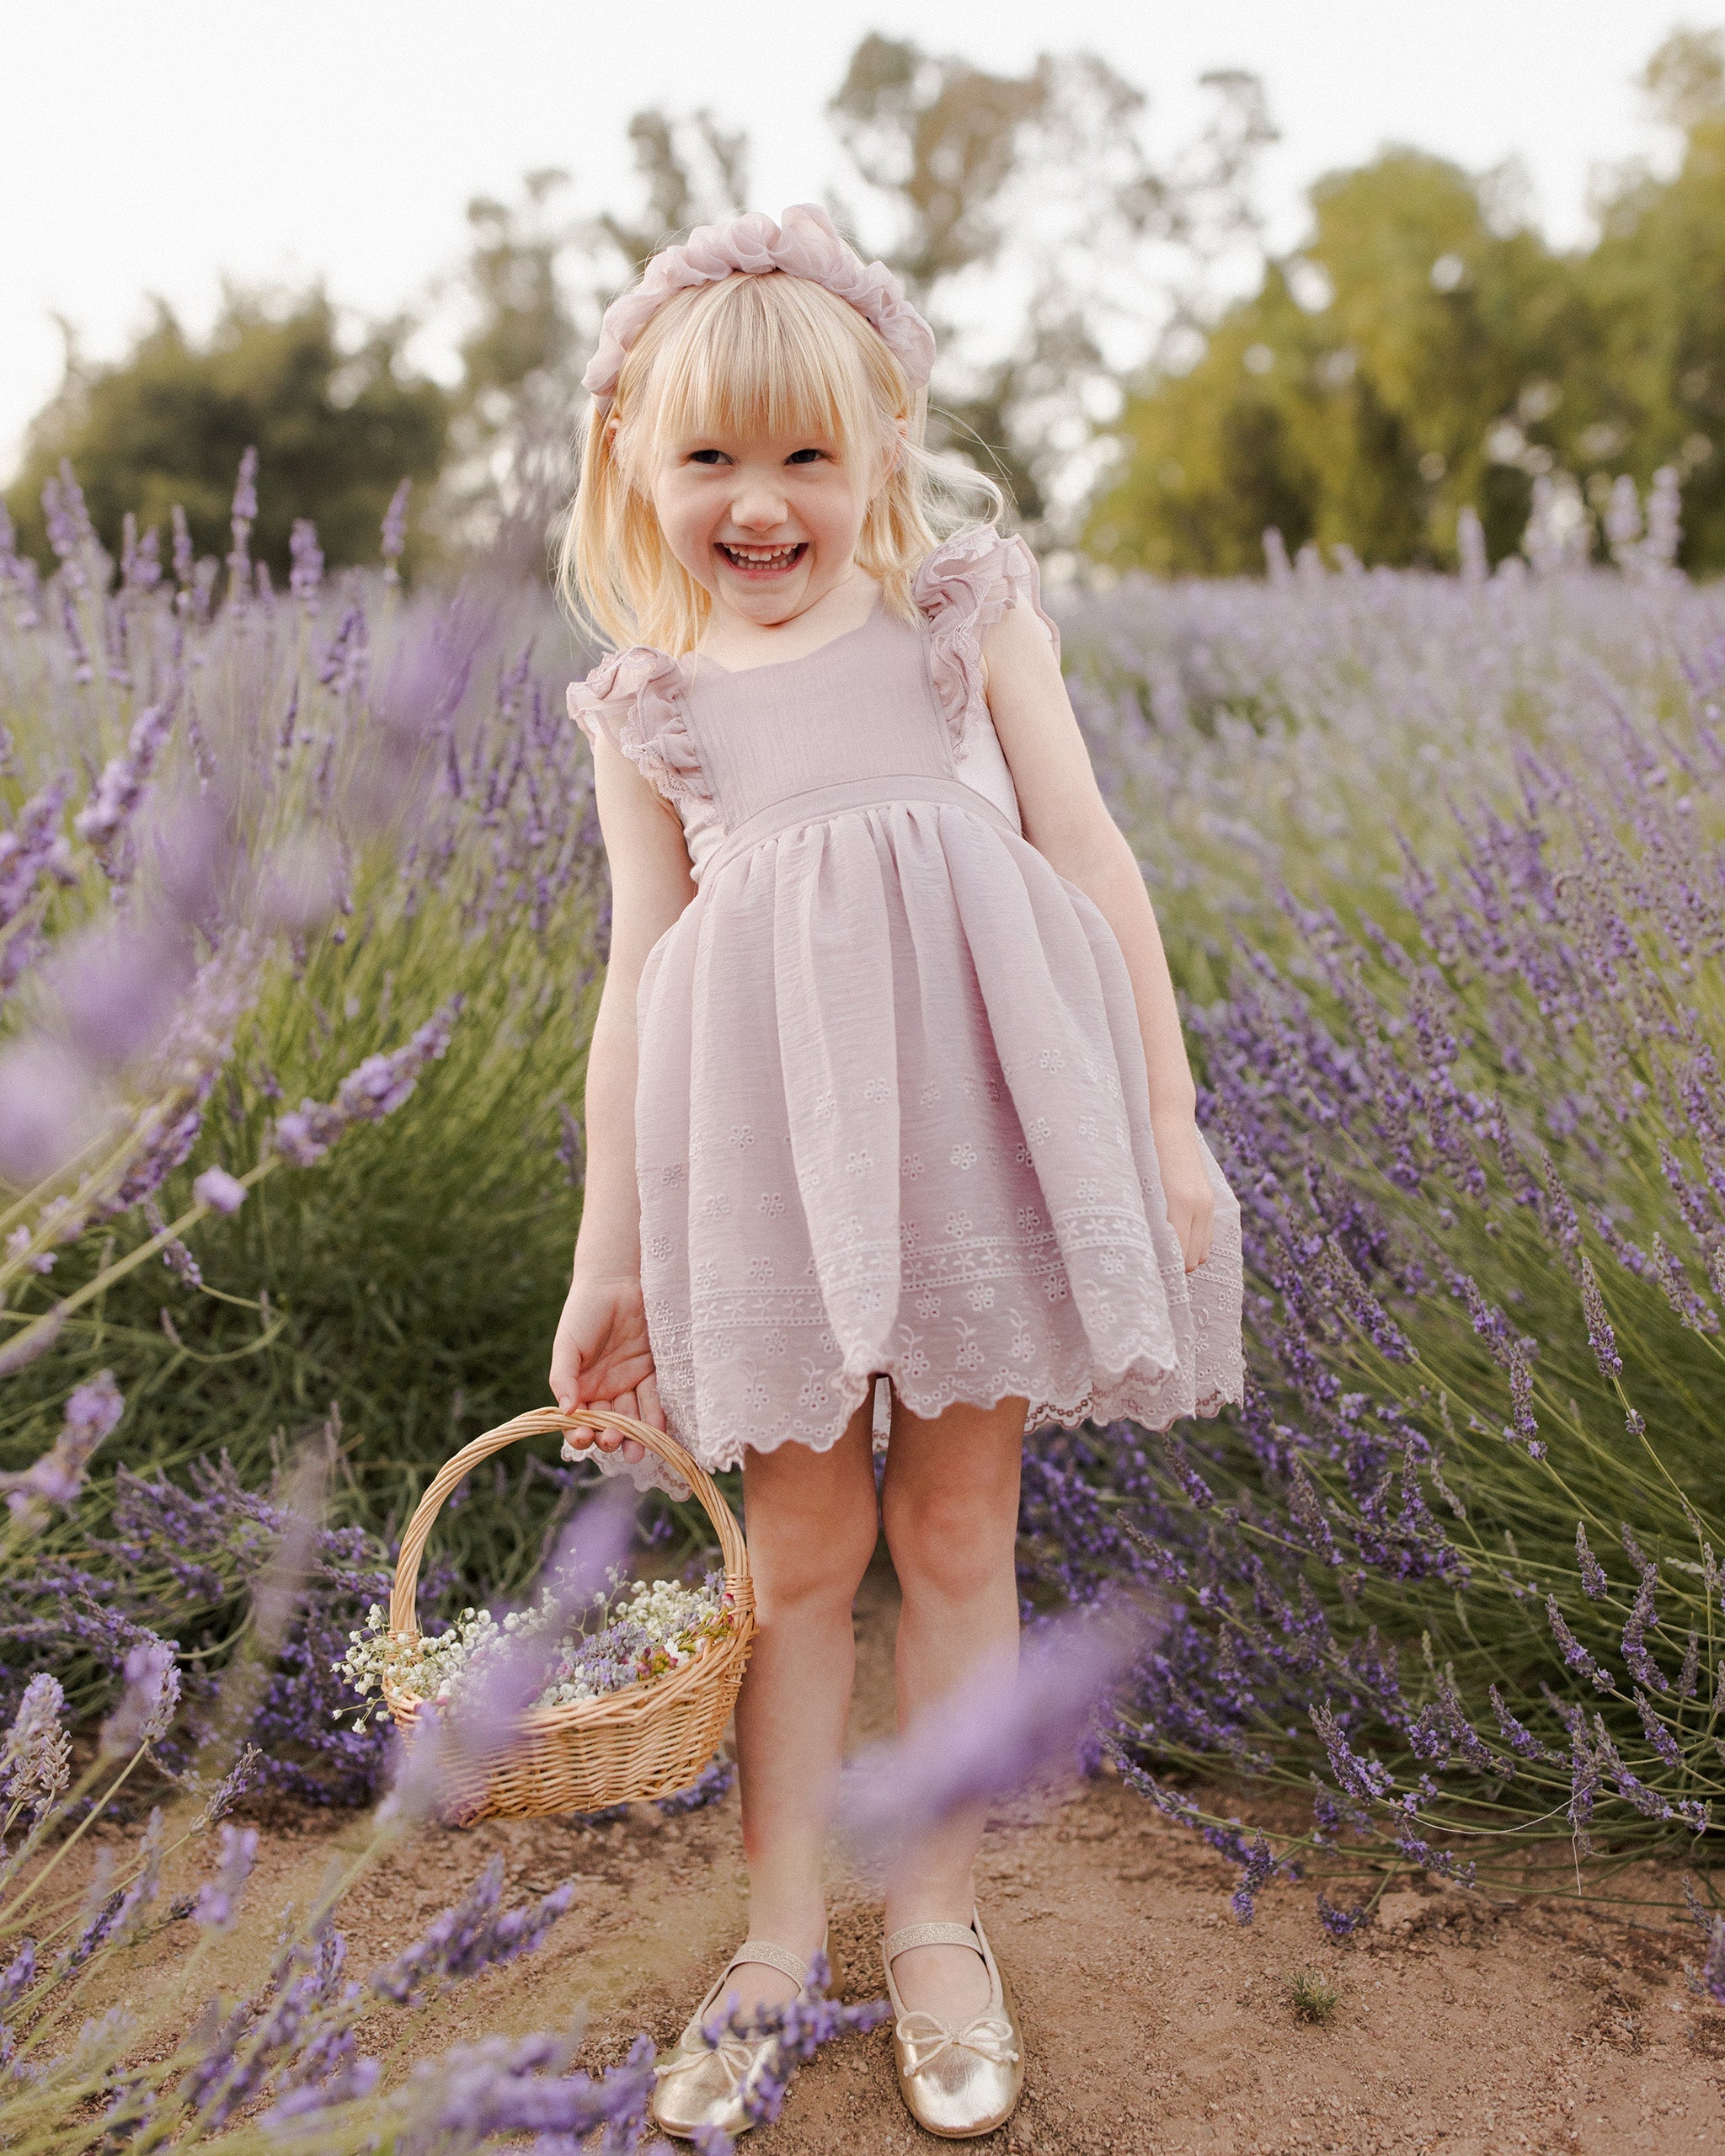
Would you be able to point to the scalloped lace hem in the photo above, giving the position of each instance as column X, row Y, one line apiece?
column 1135, row 1395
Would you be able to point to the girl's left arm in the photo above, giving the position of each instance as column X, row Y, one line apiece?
column 1067, row 821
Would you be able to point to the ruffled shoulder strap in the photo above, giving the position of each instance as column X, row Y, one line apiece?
column 635, row 699
column 963, row 587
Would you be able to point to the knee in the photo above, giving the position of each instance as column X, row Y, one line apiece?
column 956, row 1542
column 803, row 1565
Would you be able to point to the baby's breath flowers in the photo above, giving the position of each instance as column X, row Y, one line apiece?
column 627, row 1635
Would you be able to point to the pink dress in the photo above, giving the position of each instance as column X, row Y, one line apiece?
column 892, row 1114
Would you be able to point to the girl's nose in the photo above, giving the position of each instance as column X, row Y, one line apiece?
column 758, row 508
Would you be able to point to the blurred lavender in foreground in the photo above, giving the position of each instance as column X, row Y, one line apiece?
column 482, row 1727
column 1009, row 1719
column 91, row 1413
column 298, row 2051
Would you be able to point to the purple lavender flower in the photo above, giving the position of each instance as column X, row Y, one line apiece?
column 800, row 2027
column 50, row 1110
column 33, row 849
column 117, row 986
column 185, row 560
column 220, row 1192
column 1594, row 1581
column 218, row 1898
column 343, row 666
column 1641, row 1664
column 1574, row 1653
column 1358, row 1775
column 91, row 1412
column 146, row 1706
column 1658, row 1735
column 68, row 526
column 469, row 1937
column 228, row 1792
column 245, row 515
column 1006, row 1720
column 107, row 815
column 371, row 1091
column 1341, row 1923
column 709, row 1786
column 504, row 2086
column 36, row 1338
column 1712, row 1981
column 1261, row 1867
column 306, row 574
column 17, row 1976
column 36, row 1763
column 1600, row 1335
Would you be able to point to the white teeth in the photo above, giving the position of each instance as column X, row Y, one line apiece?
column 761, row 557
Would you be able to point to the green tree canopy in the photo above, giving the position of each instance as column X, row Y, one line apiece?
column 1353, row 398
column 1657, row 284
column 336, row 427
column 1426, row 351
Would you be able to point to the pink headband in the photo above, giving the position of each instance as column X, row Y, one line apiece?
column 806, row 245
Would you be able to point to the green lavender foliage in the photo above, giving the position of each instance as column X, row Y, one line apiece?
column 1441, row 863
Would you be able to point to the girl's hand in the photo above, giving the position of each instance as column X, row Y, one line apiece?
column 1191, row 1201
column 602, row 1358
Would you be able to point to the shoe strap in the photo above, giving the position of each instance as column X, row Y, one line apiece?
column 775, row 1957
column 930, row 1934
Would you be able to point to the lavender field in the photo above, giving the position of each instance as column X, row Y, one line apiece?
column 301, row 918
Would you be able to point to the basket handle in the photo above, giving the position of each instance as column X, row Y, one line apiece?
column 403, row 1616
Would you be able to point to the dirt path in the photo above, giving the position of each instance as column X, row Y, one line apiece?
column 1155, row 2023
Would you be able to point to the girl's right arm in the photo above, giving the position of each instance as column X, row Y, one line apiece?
column 601, row 1356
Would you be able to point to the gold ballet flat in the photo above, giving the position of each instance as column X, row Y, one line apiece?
column 963, row 2080
column 701, row 2084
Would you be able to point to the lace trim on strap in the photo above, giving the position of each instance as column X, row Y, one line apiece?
column 635, row 699
column 963, row 588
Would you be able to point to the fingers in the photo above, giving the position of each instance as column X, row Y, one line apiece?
column 1194, row 1232
column 652, row 1409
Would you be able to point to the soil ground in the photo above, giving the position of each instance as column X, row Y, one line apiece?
column 1156, row 2024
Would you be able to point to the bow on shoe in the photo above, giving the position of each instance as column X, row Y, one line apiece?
column 738, row 2056
column 926, row 2038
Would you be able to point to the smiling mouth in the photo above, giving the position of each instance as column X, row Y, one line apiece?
column 763, row 561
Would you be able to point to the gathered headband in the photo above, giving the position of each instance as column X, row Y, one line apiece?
column 807, row 244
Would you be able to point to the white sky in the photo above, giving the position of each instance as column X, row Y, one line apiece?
column 152, row 149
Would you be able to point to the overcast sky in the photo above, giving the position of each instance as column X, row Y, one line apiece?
column 154, row 149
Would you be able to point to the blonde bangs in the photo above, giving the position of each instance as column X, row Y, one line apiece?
column 765, row 355
column 751, row 357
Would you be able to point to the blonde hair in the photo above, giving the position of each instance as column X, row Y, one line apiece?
column 751, row 355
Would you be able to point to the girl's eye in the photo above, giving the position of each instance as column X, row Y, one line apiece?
column 804, row 455
column 708, row 457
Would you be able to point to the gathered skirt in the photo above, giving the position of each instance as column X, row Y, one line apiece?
column 892, row 1117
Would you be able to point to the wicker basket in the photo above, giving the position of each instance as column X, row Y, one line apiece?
column 647, row 1741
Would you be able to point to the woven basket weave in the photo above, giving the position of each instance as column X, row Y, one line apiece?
column 647, row 1740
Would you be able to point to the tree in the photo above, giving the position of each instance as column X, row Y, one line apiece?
column 536, row 279
column 1425, row 351
column 1407, row 362
column 1049, row 180
column 337, row 426
column 1657, row 283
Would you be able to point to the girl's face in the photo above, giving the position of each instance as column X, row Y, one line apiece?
column 768, row 525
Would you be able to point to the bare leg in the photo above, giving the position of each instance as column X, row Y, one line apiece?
column 812, row 1524
column 950, row 1504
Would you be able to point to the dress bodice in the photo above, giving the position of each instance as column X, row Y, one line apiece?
column 886, row 700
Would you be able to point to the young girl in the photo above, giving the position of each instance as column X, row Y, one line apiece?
column 887, row 1081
